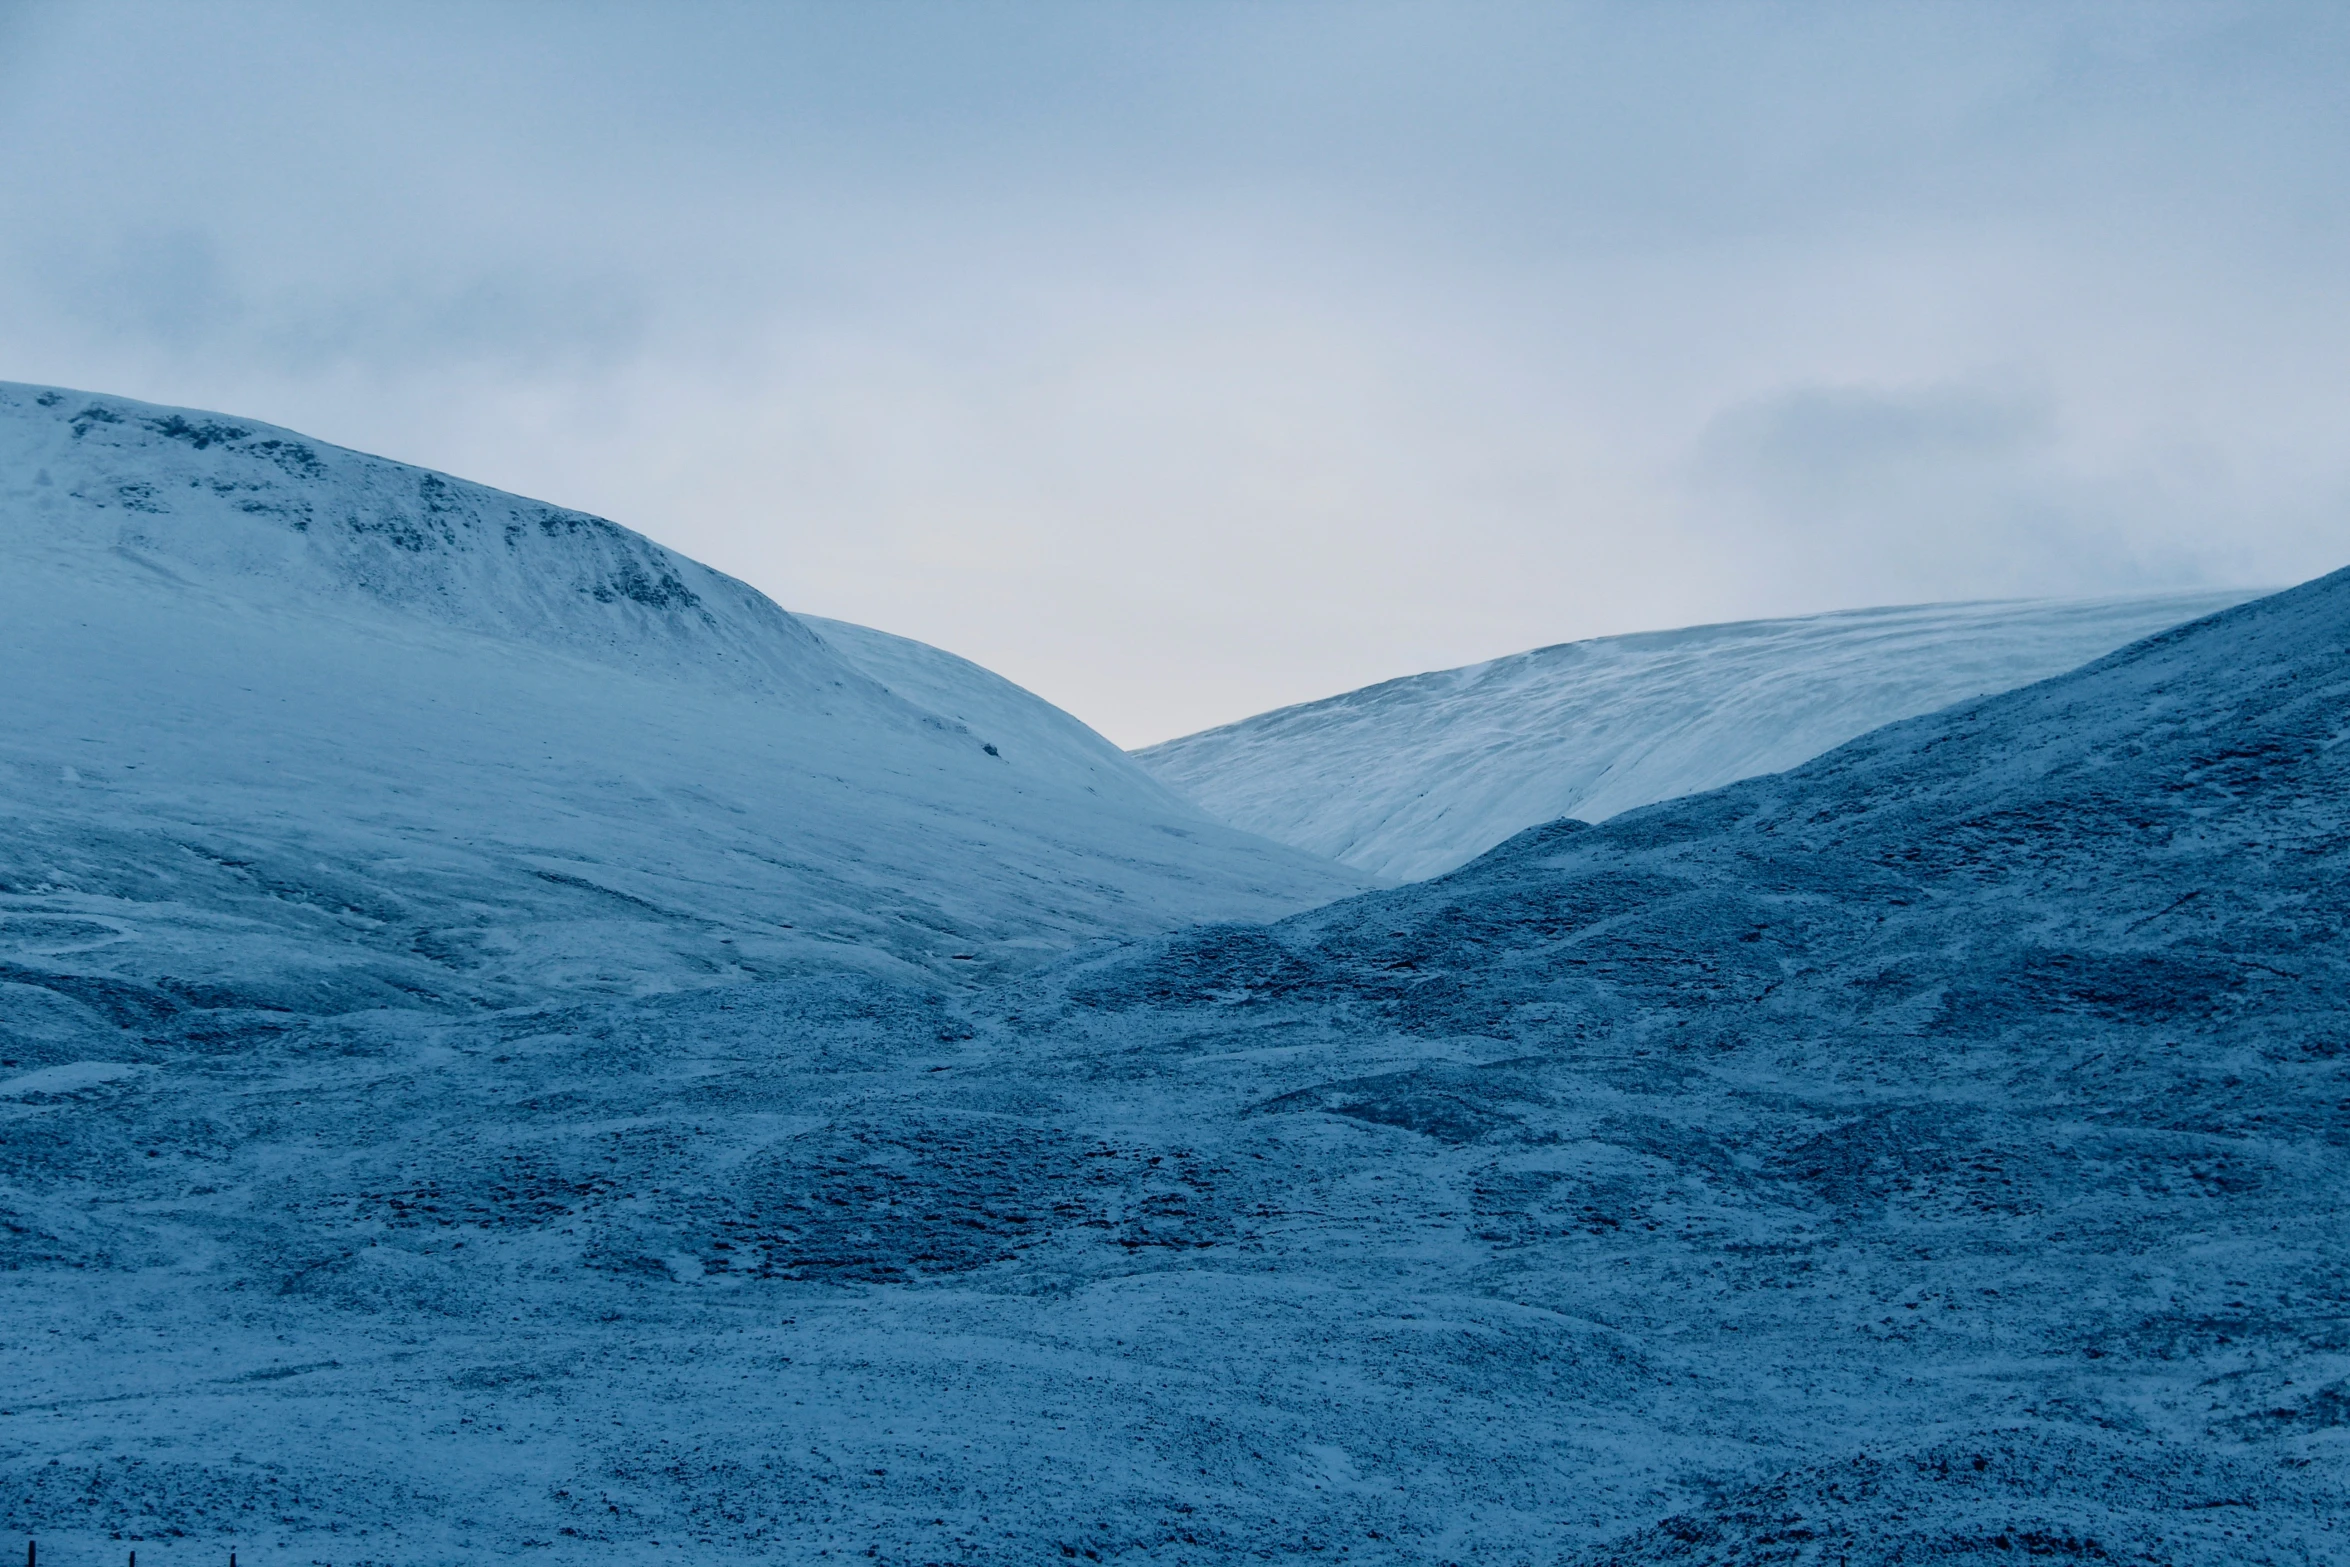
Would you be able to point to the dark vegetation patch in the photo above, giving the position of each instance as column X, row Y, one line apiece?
column 655, row 590
column 203, row 435
column 1999, row 1496
column 1451, row 1106
column 879, row 1206
column 294, row 457
column 122, row 1002
column 1221, row 965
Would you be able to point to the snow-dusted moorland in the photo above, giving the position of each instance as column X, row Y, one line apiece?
column 1413, row 777
column 1936, row 1152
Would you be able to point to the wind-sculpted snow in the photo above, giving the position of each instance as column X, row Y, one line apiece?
column 1417, row 776
column 290, row 730
column 1937, row 1153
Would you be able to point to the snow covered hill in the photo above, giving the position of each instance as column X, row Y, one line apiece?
column 285, row 728
column 985, row 703
column 1412, row 777
column 1937, row 1152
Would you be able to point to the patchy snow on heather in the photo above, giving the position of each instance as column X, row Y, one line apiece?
column 1412, row 777
column 481, row 1082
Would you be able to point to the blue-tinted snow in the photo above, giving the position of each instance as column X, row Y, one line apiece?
column 286, row 726
column 984, row 702
column 1412, row 777
column 1937, row 1152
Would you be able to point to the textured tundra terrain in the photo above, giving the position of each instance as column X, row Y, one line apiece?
column 1934, row 1153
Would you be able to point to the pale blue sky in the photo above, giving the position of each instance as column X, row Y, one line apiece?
column 1183, row 360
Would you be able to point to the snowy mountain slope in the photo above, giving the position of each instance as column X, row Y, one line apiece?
column 268, row 514
column 1936, row 1152
column 285, row 727
column 1412, row 777
column 1016, row 720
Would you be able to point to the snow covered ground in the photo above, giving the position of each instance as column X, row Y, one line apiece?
column 286, row 728
column 984, row 702
column 1937, row 1152
column 1413, row 777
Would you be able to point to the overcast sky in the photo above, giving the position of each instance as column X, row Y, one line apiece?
column 1183, row 360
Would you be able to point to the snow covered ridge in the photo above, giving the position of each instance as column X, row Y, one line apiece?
column 1937, row 1152
column 288, row 728
column 238, row 503
column 1413, row 777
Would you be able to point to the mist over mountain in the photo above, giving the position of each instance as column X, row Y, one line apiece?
column 1413, row 777
column 1934, row 1151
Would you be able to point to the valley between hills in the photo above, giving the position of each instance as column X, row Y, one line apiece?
column 517, row 1047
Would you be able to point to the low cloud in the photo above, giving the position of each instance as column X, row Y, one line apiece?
column 1969, row 487
column 1837, row 446
column 178, row 293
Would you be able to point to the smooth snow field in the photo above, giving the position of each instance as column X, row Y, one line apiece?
column 1936, row 1152
column 1413, row 777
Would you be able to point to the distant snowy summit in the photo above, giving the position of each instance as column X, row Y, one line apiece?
column 287, row 727
column 1414, row 777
